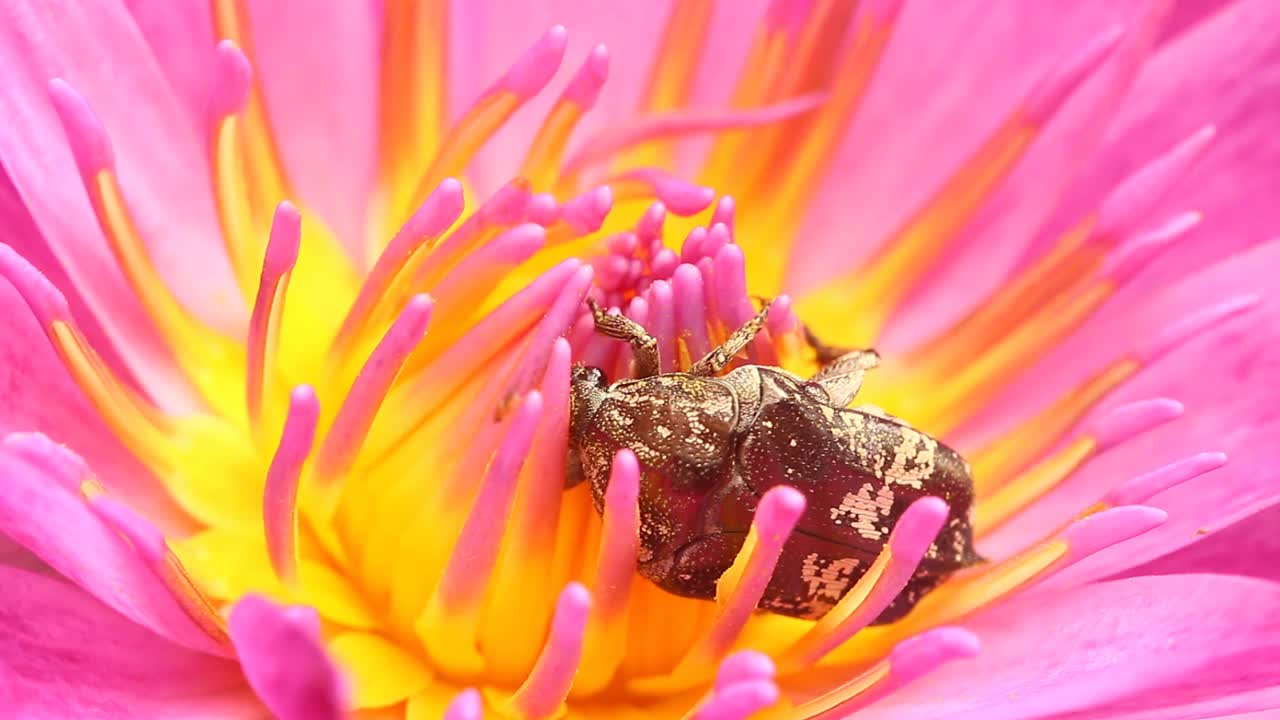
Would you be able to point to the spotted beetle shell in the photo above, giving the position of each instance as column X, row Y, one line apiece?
column 708, row 451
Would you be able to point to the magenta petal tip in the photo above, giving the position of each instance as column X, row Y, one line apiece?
column 88, row 139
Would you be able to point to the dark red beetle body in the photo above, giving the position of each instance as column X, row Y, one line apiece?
column 709, row 447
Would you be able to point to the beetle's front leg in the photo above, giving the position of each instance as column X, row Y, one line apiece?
column 644, row 347
column 717, row 359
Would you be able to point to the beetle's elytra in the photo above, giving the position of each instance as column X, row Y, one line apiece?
column 710, row 446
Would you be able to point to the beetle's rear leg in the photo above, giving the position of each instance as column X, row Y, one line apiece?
column 717, row 359
column 644, row 347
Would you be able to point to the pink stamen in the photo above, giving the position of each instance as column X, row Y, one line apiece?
column 86, row 136
column 619, row 539
column 1198, row 322
column 1132, row 419
column 280, row 495
column 739, row 701
column 584, row 88
column 484, row 268
column 268, row 305
column 1101, row 530
column 1052, row 92
column 730, row 282
column 1130, row 204
column 688, row 295
column 1134, row 255
column 557, row 321
column 909, row 660
column 744, row 666
column 547, row 686
column 466, row 577
column 691, row 249
column 782, row 318
column 543, row 209
column 718, row 238
column 662, row 322
column 586, row 213
column 680, row 196
column 146, row 540
column 437, row 213
column 55, row 459
column 776, row 516
column 440, row 376
column 466, row 705
column 1143, row 487
column 649, row 226
column 347, row 434
column 232, row 80
column 535, row 68
column 664, row 264
column 611, row 142
column 504, row 208
column 911, row 538
column 723, row 213
column 41, row 297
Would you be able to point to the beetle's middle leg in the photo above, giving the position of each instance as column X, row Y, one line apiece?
column 644, row 347
column 717, row 359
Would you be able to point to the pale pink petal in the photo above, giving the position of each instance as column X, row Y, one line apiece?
column 162, row 160
column 1248, row 547
column 63, row 654
column 41, row 510
column 286, row 665
column 980, row 258
column 37, row 394
column 1194, row 81
column 319, row 67
column 1138, row 643
column 951, row 74
column 180, row 33
column 1229, row 407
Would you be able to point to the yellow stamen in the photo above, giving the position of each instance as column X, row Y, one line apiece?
column 995, row 464
column 240, row 232
column 1042, row 477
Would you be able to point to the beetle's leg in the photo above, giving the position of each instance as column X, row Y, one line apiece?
column 717, row 359
column 644, row 347
column 842, row 377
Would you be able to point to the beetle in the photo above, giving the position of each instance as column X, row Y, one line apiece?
column 710, row 445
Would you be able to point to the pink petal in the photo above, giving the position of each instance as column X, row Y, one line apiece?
column 319, row 67
column 1191, row 82
column 1139, row 643
column 180, row 34
column 951, row 73
column 285, row 662
column 41, row 510
column 981, row 256
column 63, row 654
column 1220, row 375
column 162, row 159
column 1248, row 547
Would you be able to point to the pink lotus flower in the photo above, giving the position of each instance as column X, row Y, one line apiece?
column 306, row 460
